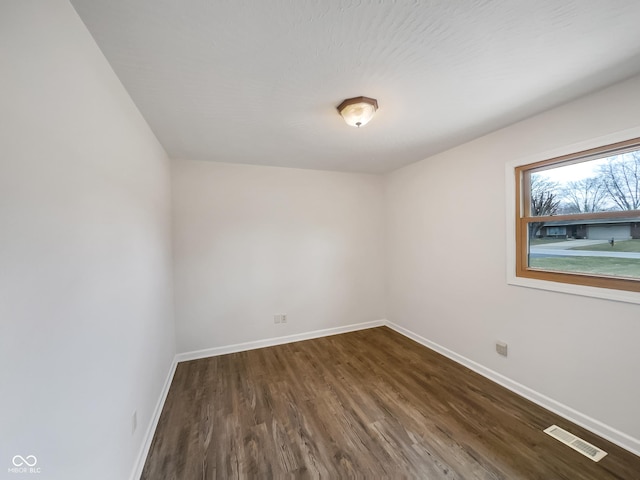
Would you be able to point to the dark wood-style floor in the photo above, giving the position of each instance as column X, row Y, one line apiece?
column 367, row 404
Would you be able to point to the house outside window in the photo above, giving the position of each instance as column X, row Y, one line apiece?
column 556, row 231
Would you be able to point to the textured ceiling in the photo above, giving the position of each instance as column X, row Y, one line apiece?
column 257, row 81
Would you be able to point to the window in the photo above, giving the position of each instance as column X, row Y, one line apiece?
column 578, row 218
column 556, row 231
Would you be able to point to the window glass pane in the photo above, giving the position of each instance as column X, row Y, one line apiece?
column 608, row 247
column 601, row 185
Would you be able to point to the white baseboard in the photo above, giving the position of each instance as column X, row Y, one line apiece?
column 270, row 342
column 151, row 429
column 605, row 431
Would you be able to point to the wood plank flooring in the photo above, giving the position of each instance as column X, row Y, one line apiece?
column 367, row 404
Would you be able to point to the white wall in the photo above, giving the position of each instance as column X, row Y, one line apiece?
column 446, row 277
column 251, row 242
column 86, row 323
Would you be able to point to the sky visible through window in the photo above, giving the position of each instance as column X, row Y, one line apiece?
column 605, row 184
column 577, row 171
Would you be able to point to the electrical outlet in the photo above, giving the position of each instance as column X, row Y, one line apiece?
column 284, row 318
column 277, row 318
column 134, row 422
column 501, row 348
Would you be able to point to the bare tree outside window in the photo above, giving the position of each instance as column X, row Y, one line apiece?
column 621, row 179
column 584, row 196
column 545, row 201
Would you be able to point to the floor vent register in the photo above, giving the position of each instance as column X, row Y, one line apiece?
column 579, row 445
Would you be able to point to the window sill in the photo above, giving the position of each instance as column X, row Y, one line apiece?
column 582, row 290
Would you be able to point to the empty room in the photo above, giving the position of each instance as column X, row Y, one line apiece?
column 319, row 239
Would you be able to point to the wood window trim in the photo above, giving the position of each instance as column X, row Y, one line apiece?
column 523, row 218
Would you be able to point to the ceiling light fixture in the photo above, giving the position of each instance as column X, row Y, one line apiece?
column 358, row 111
